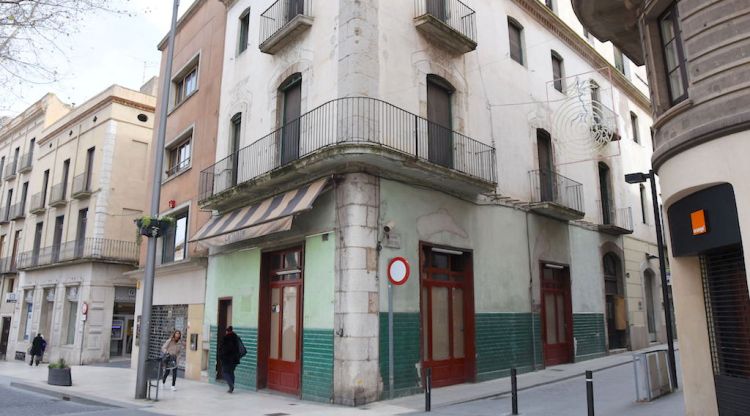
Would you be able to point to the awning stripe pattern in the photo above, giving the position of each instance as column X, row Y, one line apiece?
column 269, row 210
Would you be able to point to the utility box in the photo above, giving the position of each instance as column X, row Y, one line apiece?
column 651, row 375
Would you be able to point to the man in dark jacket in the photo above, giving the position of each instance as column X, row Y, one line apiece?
column 38, row 345
column 230, row 356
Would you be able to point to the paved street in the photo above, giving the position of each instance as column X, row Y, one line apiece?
column 614, row 393
column 20, row 402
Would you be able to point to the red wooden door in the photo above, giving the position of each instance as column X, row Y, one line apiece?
column 557, row 326
column 285, row 303
column 447, row 315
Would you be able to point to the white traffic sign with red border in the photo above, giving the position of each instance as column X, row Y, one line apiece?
column 398, row 271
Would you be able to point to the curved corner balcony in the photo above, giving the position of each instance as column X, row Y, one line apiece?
column 349, row 135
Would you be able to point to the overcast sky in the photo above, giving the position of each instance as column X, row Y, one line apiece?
column 108, row 49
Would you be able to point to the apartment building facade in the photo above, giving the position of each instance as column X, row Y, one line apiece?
column 18, row 137
column 72, row 225
column 180, row 278
column 482, row 142
column 693, row 51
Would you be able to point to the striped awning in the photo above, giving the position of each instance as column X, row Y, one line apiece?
column 267, row 217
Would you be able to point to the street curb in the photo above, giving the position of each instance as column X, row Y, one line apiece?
column 540, row 384
column 74, row 397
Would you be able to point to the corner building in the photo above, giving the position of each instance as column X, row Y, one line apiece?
column 700, row 96
column 351, row 133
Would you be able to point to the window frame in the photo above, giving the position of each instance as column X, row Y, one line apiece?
column 170, row 239
column 558, row 81
column 179, row 85
column 513, row 24
column 243, row 34
column 634, row 125
column 672, row 14
column 183, row 140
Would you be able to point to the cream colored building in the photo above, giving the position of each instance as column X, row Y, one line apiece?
column 71, row 219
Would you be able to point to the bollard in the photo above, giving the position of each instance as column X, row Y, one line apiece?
column 428, row 390
column 590, row 392
column 514, row 391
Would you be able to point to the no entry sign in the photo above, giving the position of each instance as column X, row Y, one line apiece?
column 398, row 271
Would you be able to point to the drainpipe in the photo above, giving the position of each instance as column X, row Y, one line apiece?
column 531, row 293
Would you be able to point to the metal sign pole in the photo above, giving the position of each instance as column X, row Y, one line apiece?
column 390, row 340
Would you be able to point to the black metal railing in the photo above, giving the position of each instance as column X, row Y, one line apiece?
column 453, row 13
column 57, row 193
column 10, row 170
column 7, row 265
column 611, row 215
column 603, row 121
column 178, row 167
column 25, row 162
column 102, row 249
column 351, row 121
column 17, row 210
column 37, row 202
column 280, row 14
column 81, row 184
column 550, row 186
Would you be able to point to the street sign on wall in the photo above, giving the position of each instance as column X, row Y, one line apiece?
column 398, row 271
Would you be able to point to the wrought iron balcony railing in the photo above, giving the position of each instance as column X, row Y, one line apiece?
column 275, row 21
column 457, row 15
column 10, row 171
column 610, row 215
column 18, row 210
column 95, row 249
column 352, row 121
column 37, row 203
column 25, row 162
column 550, row 186
column 178, row 167
column 8, row 265
column 57, row 194
column 81, row 185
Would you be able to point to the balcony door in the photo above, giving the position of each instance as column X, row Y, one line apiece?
column 281, row 321
column 37, row 243
column 294, row 8
column 57, row 238
column 14, row 254
column 89, row 168
column 291, row 94
column 604, row 191
column 439, row 121
column 557, row 315
column 438, row 9
column 81, row 232
column 546, row 167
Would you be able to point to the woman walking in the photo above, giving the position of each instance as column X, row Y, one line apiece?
column 172, row 349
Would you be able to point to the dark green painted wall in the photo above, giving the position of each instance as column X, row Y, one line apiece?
column 245, row 374
column 406, row 353
column 503, row 341
column 317, row 364
column 588, row 331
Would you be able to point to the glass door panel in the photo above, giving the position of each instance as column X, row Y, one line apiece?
column 275, row 312
column 440, row 328
column 289, row 334
column 458, row 323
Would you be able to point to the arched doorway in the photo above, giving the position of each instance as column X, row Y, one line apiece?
column 648, row 283
column 617, row 318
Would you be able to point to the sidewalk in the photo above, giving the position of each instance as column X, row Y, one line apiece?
column 116, row 387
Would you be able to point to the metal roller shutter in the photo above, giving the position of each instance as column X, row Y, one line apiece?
column 728, row 316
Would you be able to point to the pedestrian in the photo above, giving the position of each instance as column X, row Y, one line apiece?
column 38, row 345
column 171, row 350
column 231, row 352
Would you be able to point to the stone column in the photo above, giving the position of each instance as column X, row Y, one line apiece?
column 356, row 365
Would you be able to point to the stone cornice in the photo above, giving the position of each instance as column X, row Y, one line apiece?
column 559, row 28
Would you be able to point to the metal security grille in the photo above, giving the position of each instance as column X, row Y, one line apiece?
column 728, row 316
column 164, row 320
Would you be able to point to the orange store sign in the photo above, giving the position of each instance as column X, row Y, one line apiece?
column 698, row 221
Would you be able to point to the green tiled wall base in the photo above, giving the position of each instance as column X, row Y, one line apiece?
column 406, row 353
column 245, row 373
column 503, row 341
column 317, row 365
column 588, row 331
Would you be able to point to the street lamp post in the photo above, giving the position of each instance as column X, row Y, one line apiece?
column 633, row 178
column 141, row 383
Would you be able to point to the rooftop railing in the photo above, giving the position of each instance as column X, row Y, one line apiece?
column 454, row 13
column 550, row 186
column 101, row 249
column 352, row 121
